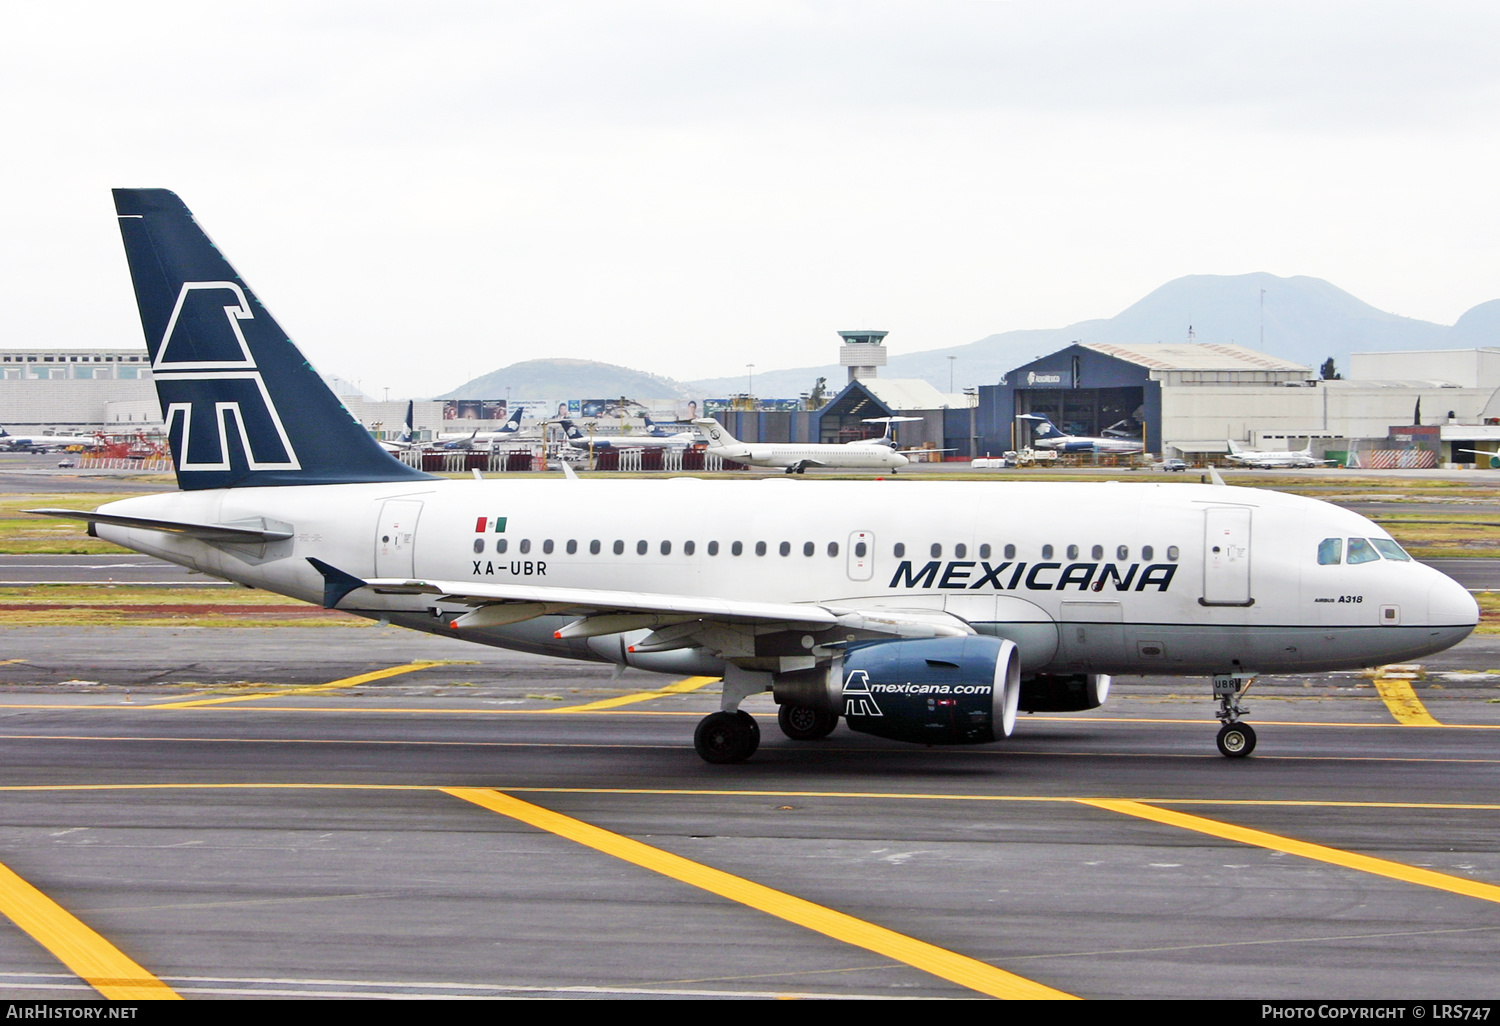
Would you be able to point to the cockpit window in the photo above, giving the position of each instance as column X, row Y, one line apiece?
column 1331, row 551
column 1361, row 551
column 1390, row 550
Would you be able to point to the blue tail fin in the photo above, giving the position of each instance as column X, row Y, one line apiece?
column 242, row 406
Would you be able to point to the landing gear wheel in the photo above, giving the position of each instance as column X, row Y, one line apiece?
column 725, row 737
column 805, row 723
column 1236, row 740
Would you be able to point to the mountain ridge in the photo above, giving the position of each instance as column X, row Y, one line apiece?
column 1304, row 319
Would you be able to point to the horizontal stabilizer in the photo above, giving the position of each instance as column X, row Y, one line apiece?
column 241, row 533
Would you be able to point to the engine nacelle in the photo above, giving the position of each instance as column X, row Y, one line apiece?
column 1070, row 692
column 934, row 691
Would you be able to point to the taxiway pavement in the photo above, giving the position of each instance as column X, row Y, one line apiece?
column 241, row 811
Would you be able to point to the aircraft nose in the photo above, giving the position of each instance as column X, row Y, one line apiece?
column 1449, row 604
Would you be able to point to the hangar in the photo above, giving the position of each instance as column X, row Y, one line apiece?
column 1171, row 395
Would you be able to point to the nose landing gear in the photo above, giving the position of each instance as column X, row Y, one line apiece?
column 1236, row 739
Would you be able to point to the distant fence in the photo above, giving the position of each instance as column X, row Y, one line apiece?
column 158, row 463
column 517, row 461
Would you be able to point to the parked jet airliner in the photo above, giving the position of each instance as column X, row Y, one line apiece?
column 927, row 612
column 796, row 457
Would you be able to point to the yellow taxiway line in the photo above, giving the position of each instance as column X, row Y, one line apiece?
column 1317, row 852
column 347, row 682
column 102, row 965
column 949, row 965
column 117, row 977
column 681, row 687
column 1403, row 702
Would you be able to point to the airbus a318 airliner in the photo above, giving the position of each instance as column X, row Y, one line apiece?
column 927, row 612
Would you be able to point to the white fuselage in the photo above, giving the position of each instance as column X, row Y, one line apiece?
column 1102, row 578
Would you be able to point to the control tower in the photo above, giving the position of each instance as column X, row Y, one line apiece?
column 863, row 352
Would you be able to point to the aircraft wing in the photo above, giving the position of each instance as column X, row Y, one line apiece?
column 611, row 612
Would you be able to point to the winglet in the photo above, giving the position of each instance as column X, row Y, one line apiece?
column 336, row 583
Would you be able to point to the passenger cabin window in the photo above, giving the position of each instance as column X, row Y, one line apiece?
column 547, row 546
column 1072, row 551
column 1010, row 552
column 501, row 545
column 619, row 547
column 478, row 544
column 1098, row 552
column 937, row 551
column 1172, row 553
column 1148, row 553
column 960, row 550
column 1046, row 551
column 594, row 547
column 525, row 545
column 808, row 548
column 666, row 548
column 984, row 551
column 785, row 548
column 713, row 548
column 641, row 547
column 736, row 548
column 760, row 548
column 572, row 545
column 833, row 548
column 898, row 550
column 688, row 548
column 860, row 549
column 1361, row 551
column 1330, row 552
column 1390, row 550
column 1123, row 552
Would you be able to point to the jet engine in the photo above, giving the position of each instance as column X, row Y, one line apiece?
column 934, row 691
column 1070, row 692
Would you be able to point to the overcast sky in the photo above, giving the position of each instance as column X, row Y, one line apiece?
column 423, row 193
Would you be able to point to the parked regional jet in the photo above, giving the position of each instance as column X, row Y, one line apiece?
column 797, row 457
column 45, row 443
column 927, row 612
column 1274, row 459
column 1048, row 435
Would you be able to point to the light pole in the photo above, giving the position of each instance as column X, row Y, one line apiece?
column 750, row 386
column 951, row 361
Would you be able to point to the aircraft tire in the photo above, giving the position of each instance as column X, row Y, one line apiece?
column 726, row 737
column 1236, row 740
column 805, row 723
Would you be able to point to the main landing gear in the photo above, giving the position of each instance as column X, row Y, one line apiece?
column 724, row 737
column 1236, row 739
column 805, row 723
column 730, row 735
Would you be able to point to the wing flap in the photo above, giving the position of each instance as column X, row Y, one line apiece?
column 586, row 600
